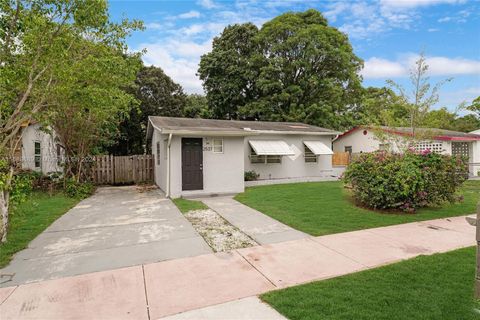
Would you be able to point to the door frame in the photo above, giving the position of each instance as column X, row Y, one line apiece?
column 183, row 139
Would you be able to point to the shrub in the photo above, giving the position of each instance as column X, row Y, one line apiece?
column 408, row 181
column 80, row 190
column 22, row 186
column 251, row 176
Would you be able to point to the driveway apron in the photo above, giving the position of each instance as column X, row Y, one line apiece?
column 116, row 227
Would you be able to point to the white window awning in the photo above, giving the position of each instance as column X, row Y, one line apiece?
column 318, row 148
column 271, row 148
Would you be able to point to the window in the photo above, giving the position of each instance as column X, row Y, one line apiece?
column 274, row 159
column 165, row 147
column 254, row 158
column 38, row 154
column 309, row 155
column 59, row 155
column 158, row 153
column 348, row 149
column 217, row 145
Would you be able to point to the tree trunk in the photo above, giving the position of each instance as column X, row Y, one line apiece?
column 4, row 206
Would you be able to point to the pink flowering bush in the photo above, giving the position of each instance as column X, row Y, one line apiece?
column 408, row 181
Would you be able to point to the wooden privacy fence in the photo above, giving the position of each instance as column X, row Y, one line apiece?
column 340, row 158
column 122, row 169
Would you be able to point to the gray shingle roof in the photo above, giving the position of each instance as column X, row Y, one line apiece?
column 196, row 124
column 435, row 132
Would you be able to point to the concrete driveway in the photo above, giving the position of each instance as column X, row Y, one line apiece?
column 117, row 227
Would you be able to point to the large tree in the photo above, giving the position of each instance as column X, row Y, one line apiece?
column 295, row 68
column 88, row 102
column 158, row 95
column 197, row 107
column 380, row 106
column 475, row 107
column 230, row 71
column 37, row 37
column 421, row 95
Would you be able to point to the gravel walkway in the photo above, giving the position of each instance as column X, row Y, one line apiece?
column 217, row 232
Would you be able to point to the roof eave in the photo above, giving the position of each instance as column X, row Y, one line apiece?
column 210, row 133
column 331, row 133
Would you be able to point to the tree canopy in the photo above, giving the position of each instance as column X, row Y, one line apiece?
column 158, row 95
column 295, row 68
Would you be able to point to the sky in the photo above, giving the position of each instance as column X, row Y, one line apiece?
column 387, row 34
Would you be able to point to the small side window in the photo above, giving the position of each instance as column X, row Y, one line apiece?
column 165, row 147
column 38, row 154
column 348, row 149
column 59, row 155
column 158, row 153
column 217, row 145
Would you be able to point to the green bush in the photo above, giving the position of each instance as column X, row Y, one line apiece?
column 80, row 190
column 22, row 186
column 407, row 181
column 251, row 176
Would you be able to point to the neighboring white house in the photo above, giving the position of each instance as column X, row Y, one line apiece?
column 206, row 157
column 39, row 150
column 366, row 139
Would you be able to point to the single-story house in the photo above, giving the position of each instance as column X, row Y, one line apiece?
column 368, row 139
column 208, row 157
column 39, row 150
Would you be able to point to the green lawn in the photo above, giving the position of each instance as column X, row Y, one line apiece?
column 30, row 218
column 427, row 287
column 185, row 205
column 320, row 208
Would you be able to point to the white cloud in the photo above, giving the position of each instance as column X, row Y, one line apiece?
column 181, row 69
column 208, row 4
column 408, row 4
column 433, row 30
column 179, row 60
column 366, row 19
column 444, row 19
column 378, row 68
column 189, row 15
column 443, row 66
column 382, row 68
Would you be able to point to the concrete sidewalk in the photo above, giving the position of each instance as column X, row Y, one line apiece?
column 260, row 227
column 162, row 289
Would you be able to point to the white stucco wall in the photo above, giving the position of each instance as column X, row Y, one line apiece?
column 369, row 143
column 30, row 135
column 291, row 166
column 222, row 172
column 358, row 141
column 475, row 159
column 160, row 166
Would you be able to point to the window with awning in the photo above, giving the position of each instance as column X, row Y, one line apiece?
column 315, row 148
column 318, row 148
column 268, row 151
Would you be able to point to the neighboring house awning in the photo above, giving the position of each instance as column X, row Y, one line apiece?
column 271, row 148
column 318, row 148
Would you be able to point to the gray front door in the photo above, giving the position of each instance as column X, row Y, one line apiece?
column 192, row 164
